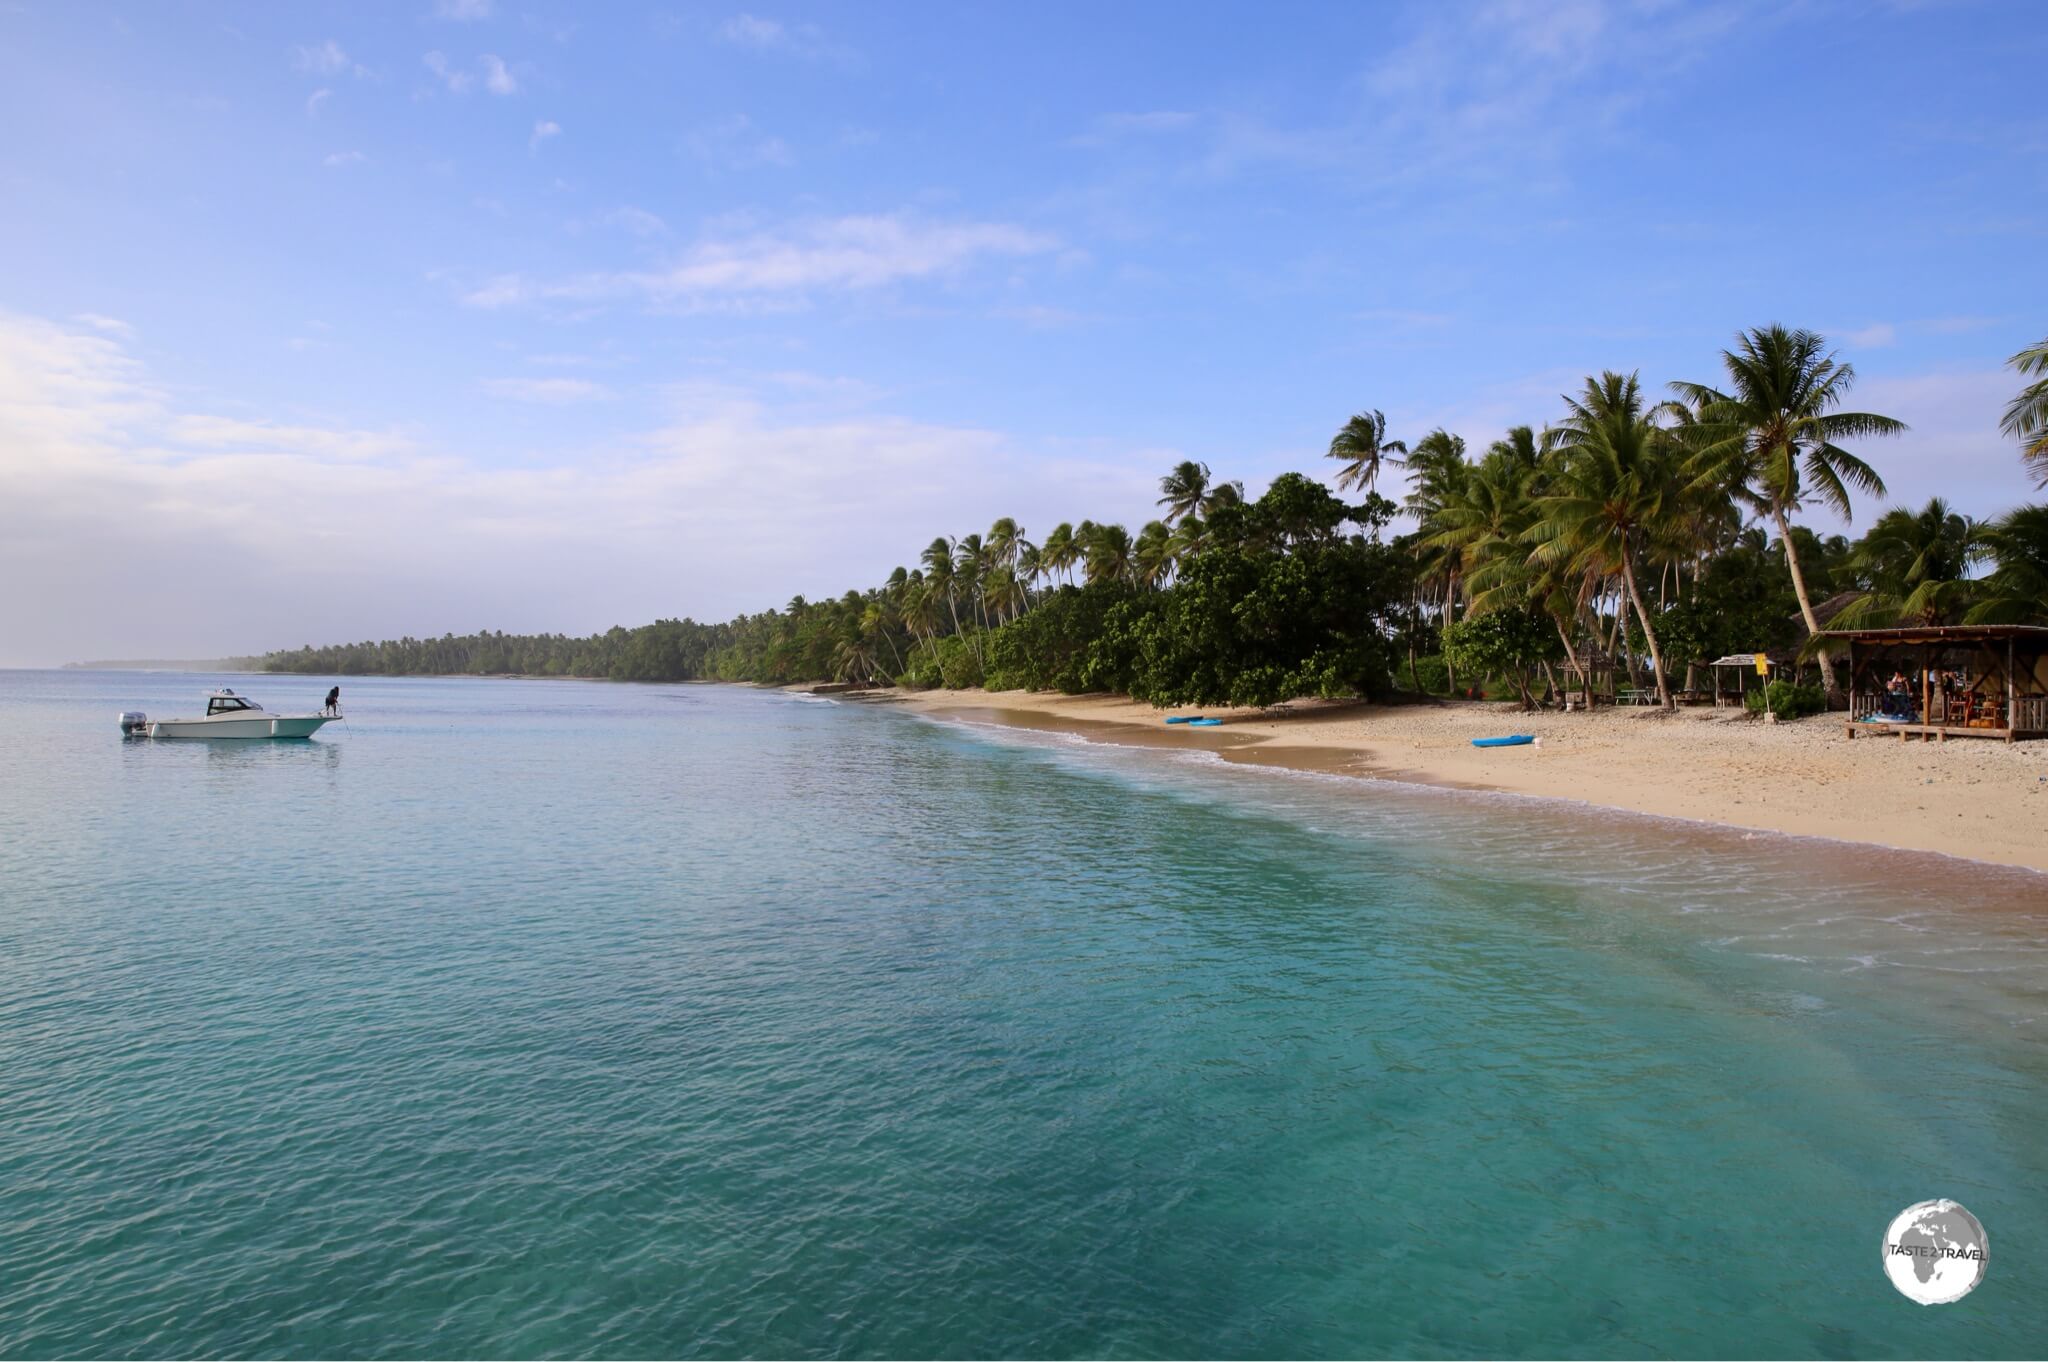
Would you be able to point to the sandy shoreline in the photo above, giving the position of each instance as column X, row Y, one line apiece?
column 1982, row 800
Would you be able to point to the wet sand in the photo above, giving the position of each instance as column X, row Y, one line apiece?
column 1978, row 799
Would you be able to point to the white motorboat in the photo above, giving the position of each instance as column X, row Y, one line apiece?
column 228, row 715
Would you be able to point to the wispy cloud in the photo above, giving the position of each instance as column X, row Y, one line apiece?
column 344, row 158
column 463, row 11
column 497, row 77
column 734, row 143
column 551, row 391
column 457, row 81
column 1496, row 94
column 842, row 254
column 542, row 131
column 316, row 99
column 774, row 35
column 1878, row 335
column 326, row 58
column 112, row 326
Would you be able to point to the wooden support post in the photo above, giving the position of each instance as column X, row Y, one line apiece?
column 2012, row 693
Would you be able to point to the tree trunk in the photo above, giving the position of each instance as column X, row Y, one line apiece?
column 1628, row 578
column 1827, row 669
column 1585, row 677
column 1450, row 668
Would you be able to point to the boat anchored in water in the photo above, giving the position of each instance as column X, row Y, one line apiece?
column 228, row 715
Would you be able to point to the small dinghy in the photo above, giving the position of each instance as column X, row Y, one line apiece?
column 1184, row 718
column 1511, row 740
column 1204, row 723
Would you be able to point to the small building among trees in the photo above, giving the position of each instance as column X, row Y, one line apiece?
column 1944, row 681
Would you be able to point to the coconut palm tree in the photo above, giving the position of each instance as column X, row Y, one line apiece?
column 1363, row 446
column 940, row 576
column 1615, row 479
column 2016, row 590
column 1109, row 551
column 921, row 609
column 1152, row 555
column 1184, row 491
column 2026, row 416
column 1059, row 552
column 1916, row 567
column 1772, row 437
column 1437, row 472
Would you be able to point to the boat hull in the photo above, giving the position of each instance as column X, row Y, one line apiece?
column 241, row 726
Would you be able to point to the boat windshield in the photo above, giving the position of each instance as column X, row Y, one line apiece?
column 228, row 704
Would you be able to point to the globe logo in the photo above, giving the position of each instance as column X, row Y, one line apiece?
column 1935, row 1252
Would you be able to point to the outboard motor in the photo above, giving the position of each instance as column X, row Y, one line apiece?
column 134, row 723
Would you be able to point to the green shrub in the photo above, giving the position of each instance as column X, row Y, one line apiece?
column 1434, row 675
column 951, row 663
column 1786, row 700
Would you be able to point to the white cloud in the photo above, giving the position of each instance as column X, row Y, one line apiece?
column 542, row 131
column 773, row 35
column 333, row 533
column 497, row 79
column 1498, row 95
column 326, row 58
column 734, row 143
column 848, row 253
column 637, row 221
column 316, row 99
column 113, row 326
column 749, row 31
column 344, row 158
column 553, row 391
column 463, row 11
column 457, row 81
column 1873, row 337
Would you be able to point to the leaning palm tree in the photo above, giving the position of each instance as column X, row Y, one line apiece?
column 2026, row 416
column 1363, row 446
column 1609, row 494
column 1185, row 490
column 1773, row 437
column 921, row 611
column 940, row 577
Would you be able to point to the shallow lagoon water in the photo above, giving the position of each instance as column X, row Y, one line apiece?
column 548, row 1018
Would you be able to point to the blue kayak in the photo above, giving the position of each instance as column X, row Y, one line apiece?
column 1185, row 719
column 1512, row 740
column 1203, row 723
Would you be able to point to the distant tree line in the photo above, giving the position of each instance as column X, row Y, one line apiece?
column 1633, row 534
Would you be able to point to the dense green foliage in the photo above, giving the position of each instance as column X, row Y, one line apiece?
column 1632, row 536
column 1786, row 700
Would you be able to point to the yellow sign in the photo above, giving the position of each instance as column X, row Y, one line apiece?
column 1763, row 665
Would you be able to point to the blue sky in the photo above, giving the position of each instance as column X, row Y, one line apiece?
column 452, row 314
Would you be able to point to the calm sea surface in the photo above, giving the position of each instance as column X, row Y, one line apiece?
column 544, row 1018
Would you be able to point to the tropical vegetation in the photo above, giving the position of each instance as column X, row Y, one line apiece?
column 1631, row 541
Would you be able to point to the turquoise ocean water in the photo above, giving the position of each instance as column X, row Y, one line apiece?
column 547, row 1018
